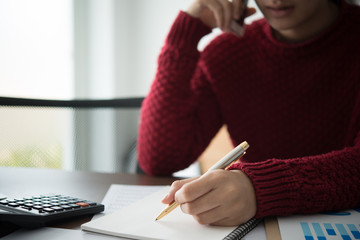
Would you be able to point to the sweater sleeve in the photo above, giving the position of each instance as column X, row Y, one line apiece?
column 327, row 182
column 179, row 115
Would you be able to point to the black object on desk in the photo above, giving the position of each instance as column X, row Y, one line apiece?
column 39, row 211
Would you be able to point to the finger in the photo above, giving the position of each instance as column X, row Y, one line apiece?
column 228, row 215
column 237, row 9
column 204, row 203
column 175, row 186
column 242, row 12
column 227, row 9
column 210, row 217
column 217, row 10
column 195, row 189
column 237, row 27
column 223, row 214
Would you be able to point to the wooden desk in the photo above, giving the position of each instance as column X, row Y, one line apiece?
column 20, row 182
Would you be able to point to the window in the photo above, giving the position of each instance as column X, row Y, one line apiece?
column 36, row 48
column 36, row 61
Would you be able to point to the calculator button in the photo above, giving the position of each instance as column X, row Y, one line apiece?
column 4, row 202
column 82, row 204
column 38, row 207
column 48, row 210
column 74, row 206
column 58, row 208
column 12, row 204
column 91, row 203
column 66, row 207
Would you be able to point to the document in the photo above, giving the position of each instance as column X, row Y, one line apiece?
column 120, row 195
column 326, row 226
column 137, row 221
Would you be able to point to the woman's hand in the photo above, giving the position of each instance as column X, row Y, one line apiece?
column 219, row 197
column 219, row 13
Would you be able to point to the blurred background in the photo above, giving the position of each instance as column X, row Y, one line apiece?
column 82, row 49
column 77, row 49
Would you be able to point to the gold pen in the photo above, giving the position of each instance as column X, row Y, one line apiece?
column 229, row 158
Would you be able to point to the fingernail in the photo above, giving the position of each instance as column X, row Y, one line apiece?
column 166, row 196
column 237, row 29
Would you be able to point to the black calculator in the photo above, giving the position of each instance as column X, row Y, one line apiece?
column 42, row 210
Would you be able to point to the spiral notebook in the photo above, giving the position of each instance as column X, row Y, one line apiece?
column 137, row 221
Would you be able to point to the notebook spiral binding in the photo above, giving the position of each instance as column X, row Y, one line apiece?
column 243, row 229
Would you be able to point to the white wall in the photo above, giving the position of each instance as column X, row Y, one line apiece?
column 140, row 34
column 119, row 41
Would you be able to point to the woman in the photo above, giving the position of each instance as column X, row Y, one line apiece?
column 290, row 87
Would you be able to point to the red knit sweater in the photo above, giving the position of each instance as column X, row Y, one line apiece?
column 298, row 106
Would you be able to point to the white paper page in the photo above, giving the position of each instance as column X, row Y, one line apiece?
column 138, row 221
column 119, row 195
column 342, row 225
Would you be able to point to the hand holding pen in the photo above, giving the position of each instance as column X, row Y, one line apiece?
column 227, row 15
column 218, row 197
